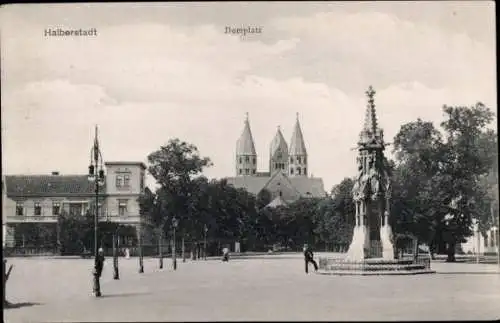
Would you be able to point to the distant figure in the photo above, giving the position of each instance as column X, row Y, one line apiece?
column 100, row 262
column 225, row 254
column 308, row 257
column 127, row 253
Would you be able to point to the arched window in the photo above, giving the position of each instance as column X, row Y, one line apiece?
column 298, row 170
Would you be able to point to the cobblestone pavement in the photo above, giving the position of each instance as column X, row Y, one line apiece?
column 258, row 288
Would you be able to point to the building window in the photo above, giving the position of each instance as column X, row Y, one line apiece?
column 119, row 181
column 19, row 208
column 126, row 180
column 254, row 160
column 56, row 208
column 247, row 171
column 281, row 193
column 247, row 159
column 142, row 182
column 298, row 170
column 38, row 208
column 291, row 171
column 241, row 160
column 291, row 160
column 305, row 171
column 241, row 171
column 253, row 172
column 298, row 159
column 122, row 207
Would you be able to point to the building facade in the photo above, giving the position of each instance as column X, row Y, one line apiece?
column 43, row 198
column 287, row 178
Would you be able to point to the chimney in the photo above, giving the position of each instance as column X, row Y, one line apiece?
column 55, row 173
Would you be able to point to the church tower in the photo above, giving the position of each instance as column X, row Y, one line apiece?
column 278, row 153
column 246, row 157
column 297, row 152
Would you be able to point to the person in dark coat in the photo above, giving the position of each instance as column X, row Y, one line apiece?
column 100, row 262
column 309, row 257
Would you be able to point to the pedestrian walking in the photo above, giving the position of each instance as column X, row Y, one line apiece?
column 225, row 254
column 309, row 257
column 100, row 262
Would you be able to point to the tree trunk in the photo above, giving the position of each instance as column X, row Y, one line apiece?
column 451, row 252
column 183, row 250
column 415, row 249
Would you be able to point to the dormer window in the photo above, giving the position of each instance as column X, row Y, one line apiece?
column 19, row 208
column 38, row 208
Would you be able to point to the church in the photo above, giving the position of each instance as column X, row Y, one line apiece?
column 287, row 178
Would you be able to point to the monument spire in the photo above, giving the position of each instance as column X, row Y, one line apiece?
column 371, row 114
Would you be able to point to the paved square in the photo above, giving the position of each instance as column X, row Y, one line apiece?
column 261, row 288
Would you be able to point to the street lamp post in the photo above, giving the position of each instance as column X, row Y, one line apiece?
column 174, row 256
column 116, row 273
column 205, row 244
column 160, row 243
column 141, row 262
column 96, row 175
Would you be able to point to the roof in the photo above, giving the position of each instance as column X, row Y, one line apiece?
column 297, row 145
column 304, row 185
column 48, row 185
column 245, row 144
column 278, row 142
column 125, row 163
column 278, row 201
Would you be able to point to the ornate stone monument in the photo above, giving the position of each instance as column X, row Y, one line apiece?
column 371, row 251
column 371, row 193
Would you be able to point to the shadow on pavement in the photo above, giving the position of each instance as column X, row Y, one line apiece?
column 19, row 305
column 123, row 295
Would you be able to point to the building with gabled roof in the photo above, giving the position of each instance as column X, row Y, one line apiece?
column 43, row 198
column 287, row 178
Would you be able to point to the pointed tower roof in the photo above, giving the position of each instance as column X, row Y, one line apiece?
column 245, row 144
column 297, row 145
column 371, row 131
column 278, row 143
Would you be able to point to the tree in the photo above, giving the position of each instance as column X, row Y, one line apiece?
column 417, row 183
column 467, row 161
column 174, row 167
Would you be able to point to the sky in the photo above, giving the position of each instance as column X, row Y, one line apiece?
column 159, row 71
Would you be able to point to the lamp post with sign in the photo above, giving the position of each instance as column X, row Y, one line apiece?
column 96, row 175
column 174, row 255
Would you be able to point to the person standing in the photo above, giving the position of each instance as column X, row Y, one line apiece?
column 309, row 257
